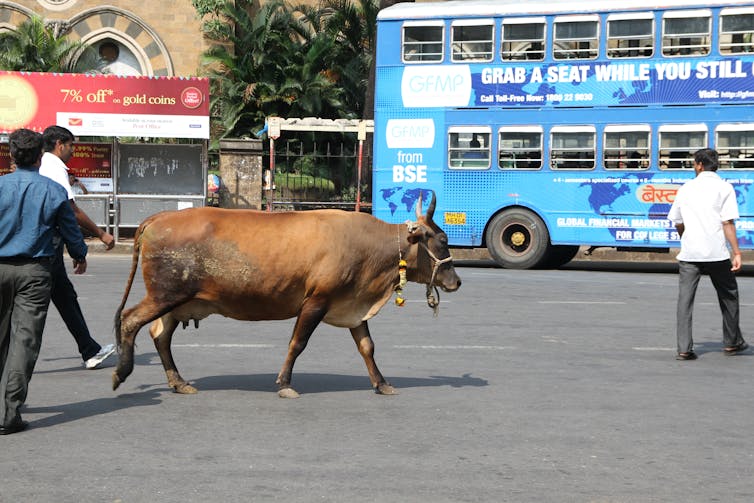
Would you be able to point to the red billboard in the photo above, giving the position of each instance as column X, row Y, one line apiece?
column 105, row 105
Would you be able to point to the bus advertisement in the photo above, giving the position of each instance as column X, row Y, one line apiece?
column 543, row 126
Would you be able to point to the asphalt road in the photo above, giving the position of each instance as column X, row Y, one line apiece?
column 530, row 386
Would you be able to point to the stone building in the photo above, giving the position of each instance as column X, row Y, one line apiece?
column 150, row 38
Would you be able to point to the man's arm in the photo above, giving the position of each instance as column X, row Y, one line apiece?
column 89, row 226
column 729, row 229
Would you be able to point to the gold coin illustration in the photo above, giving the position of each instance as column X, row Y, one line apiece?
column 18, row 102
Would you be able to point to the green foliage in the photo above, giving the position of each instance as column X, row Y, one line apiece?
column 289, row 61
column 34, row 47
column 299, row 182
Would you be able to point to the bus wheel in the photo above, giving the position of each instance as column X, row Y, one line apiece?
column 518, row 239
column 561, row 255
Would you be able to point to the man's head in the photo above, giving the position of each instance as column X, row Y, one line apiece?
column 59, row 141
column 705, row 160
column 25, row 148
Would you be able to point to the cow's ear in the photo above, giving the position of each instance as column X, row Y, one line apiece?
column 416, row 234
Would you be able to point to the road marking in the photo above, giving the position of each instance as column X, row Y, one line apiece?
column 256, row 346
column 411, row 346
column 581, row 302
column 639, row 348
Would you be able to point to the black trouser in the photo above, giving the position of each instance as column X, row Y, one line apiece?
column 726, row 287
column 24, row 298
column 66, row 302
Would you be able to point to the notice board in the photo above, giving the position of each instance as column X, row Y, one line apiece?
column 161, row 169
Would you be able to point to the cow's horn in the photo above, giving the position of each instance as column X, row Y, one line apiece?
column 419, row 205
column 431, row 209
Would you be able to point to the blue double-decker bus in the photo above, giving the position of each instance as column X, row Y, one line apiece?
column 543, row 126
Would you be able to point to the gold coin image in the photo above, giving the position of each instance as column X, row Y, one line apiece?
column 18, row 102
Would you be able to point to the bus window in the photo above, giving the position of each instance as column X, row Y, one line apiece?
column 678, row 144
column 422, row 43
column 630, row 36
column 520, row 147
column 576, row 37
column 736, row 30
column 572, row 147
column 626, row 147
column 472, row 40
column 686, row 33
column 469, row 148
column 735, row 146
column 523, row 39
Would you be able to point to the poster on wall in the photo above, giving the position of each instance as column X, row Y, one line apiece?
column 90, row 165
column 105, row 105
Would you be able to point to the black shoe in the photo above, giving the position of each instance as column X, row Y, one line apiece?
column 736, row 349
column 686, row 356
column 13, row 428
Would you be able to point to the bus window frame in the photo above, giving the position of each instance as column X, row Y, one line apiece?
column 579, row 18
column 726, row 162
column 523, row 42
column 638, row 16
column 729, row 12
column 514, row 162
column 555, row 162
column 472, row 23
column 421, row 24
column 687, row 163
column 469, row 158
column 643, row 162
column 695, row 51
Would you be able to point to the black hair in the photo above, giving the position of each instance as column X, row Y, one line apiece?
column 25, row 147
column 707, row 158
column 52, row 134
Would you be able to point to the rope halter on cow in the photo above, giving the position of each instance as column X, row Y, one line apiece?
column 433, row 299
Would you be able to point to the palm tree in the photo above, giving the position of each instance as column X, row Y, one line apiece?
column 350, row 25
column 369, row 98
column 287, row 61
column 34, row 47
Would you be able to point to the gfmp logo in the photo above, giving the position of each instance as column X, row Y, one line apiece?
column 436, row 86
column 410, row 133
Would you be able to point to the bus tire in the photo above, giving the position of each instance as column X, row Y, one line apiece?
column 518, row 239
column 561, row 255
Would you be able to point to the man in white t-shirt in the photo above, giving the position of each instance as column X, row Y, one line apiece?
column 58, row 146
column 704, row 213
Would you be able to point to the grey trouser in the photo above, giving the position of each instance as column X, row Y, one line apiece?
column 24, row 297
column 726, row 287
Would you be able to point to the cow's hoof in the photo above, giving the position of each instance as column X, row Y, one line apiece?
column 185, row 389
column 288, row 393
column 116, row 381
column 385, row 389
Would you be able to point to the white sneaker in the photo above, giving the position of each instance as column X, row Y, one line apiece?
column 96, row 360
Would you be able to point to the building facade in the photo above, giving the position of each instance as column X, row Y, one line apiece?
column 130, row 38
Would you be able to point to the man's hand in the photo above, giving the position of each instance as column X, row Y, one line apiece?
column 108, row 240
column 735, row 260
column 79, row 266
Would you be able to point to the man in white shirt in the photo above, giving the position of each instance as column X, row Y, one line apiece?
column 58, row 146
column 704, row 213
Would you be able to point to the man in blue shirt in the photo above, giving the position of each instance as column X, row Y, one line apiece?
column 32, row 209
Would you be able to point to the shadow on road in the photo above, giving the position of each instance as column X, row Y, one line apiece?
column 327, row 383
column 66, row 413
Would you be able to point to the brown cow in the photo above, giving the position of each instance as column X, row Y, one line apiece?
column 322, row 265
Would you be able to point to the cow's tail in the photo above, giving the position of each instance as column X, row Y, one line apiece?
column 131, row 276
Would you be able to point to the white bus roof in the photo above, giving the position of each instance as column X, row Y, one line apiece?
column 489, row 8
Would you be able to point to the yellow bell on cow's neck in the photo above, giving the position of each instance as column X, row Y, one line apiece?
column 399, row 299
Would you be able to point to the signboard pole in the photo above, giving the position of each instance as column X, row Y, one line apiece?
column 271, row 183
column 273, row 131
